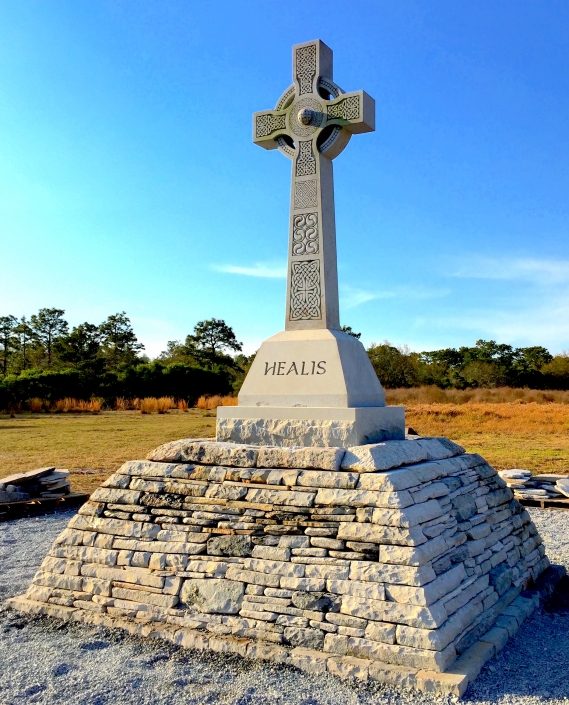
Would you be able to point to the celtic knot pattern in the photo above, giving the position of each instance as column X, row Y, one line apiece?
column 305, row 68
column 346, row 109
column 305, row 234
column 267, row 123
column 305, row 161
column 305, row 290
column 305, row 194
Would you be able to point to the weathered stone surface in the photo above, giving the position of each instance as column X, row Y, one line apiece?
column 319, row 458
column 394, row 454
column 213, row 596
column 229, row 546
column 205, row 452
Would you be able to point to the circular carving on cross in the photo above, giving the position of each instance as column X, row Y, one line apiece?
column 305, row 116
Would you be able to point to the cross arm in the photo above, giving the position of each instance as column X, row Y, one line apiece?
column 267, row 126
column 354, row 111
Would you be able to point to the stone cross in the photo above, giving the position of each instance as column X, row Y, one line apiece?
column 311, row 124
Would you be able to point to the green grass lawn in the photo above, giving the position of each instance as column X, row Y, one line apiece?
column 533, row 436
column 92, row 445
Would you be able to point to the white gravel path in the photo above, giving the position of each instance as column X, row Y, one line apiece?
column 43, row 661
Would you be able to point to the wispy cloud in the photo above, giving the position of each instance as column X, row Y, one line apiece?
column 351, row 297
column 541, row 271
column 263, row 270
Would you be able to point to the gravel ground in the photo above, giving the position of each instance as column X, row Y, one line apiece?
column 44, row 661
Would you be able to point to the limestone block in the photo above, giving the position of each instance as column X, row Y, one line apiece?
column 190, row 450
column 84, row 553
column 317, row 601
column 348, row 667
column 436, row 682
column 315, row 584
column 278, row 568
column 281, row 497
column 267, row 652
column 327, row 478
column 309, row 660
column 381, row 631
column 307, row 638
column 376, row 533
column 272, row 553
column 136, row 576
column 118, row 496
column 391, row 573
column 213, row 595
column 281, row 457
column 413, row 555
column 393, row 675
column 394, row 454
column 375, row 591
column 250, row 576
column 229, row 546
column 427, row 618
column 145, row 597
column 429, row 593
column 363, row 498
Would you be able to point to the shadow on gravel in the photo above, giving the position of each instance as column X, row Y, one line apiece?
column 534, row 663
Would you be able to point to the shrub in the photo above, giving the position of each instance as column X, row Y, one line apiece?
column 212, row 402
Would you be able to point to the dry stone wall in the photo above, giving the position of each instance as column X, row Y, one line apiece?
column 401, row 561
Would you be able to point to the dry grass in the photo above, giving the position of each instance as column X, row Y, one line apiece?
column 530, row 435
column 77, row 406
column 434, row 395
column 212, row 402
column 92, row 446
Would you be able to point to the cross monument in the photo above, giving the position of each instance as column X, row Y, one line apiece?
column 312, row 384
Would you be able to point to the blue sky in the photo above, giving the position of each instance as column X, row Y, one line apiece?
column 128, row 179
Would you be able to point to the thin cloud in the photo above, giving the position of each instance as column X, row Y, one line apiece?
column 262, row 270
column 351, row 297
column 542, row 271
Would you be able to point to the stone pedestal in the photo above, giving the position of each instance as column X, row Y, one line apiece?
column 402, row 561
column 311, row 388
column 299, row 426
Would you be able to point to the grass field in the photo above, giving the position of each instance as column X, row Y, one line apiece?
column 529, row 435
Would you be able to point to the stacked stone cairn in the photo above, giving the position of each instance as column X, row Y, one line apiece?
column 406, row 561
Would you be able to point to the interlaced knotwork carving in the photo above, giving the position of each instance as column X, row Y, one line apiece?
column 346, row 109
column 305, row 301
column 305, row 161
column 305, row 68
column 267, row 123
column 305, row 234
column 305, row 194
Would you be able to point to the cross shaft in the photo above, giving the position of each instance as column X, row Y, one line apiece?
column 311, row 124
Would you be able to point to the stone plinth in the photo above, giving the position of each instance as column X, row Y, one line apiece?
column 310, row 426
column 402, row 561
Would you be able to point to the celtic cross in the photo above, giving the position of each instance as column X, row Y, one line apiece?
column 311, row 124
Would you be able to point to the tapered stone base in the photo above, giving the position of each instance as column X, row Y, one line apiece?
column 304, row 427
column 402, row 561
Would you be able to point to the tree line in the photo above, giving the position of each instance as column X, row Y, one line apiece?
column 42, row 356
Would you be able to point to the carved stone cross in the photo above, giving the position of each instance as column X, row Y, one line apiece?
column 311, row 124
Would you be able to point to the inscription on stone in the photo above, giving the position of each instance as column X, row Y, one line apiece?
column 304, row 368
